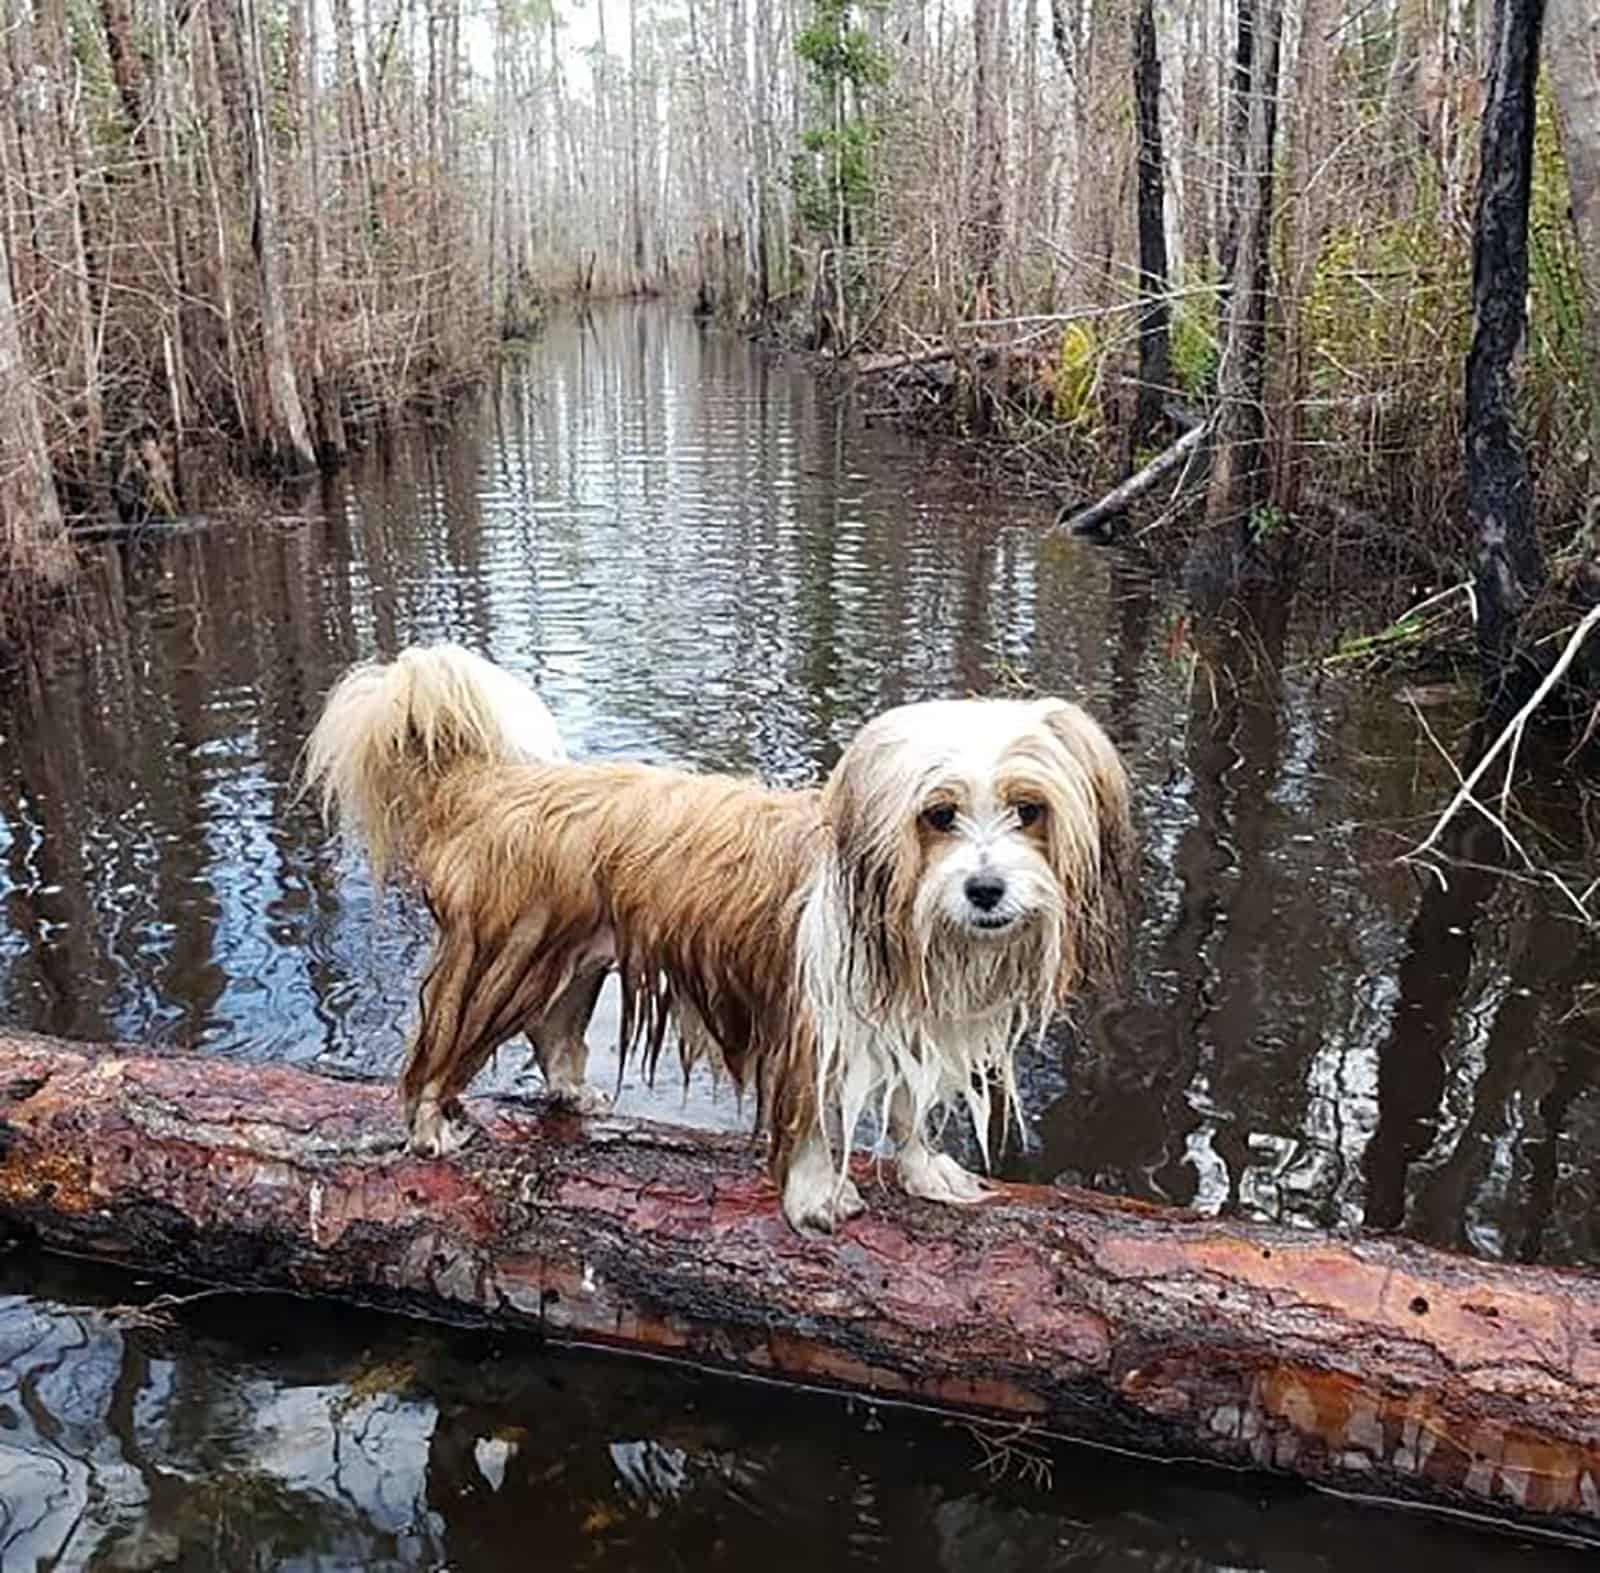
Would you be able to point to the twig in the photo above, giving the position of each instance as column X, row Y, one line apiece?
column 1510, row 738
column 889, row 294
column 1013, row 1447
column 158, row 1312
column 1482, row 807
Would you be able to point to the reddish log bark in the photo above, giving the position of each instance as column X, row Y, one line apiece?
column 1371, row 1365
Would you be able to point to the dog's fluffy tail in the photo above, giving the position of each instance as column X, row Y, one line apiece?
column 390, row 731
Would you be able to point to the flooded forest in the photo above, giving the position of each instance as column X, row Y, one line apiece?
column 733, row 371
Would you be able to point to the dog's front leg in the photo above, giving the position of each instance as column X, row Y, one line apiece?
column 815, row 1190
column 934, row 1176
column 817, row 1194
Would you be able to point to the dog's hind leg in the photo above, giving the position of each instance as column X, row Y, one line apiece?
column 558, row 1040
column 475, row 998
column 430, row 1084
column 935, row 1176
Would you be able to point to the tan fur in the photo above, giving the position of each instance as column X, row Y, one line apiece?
column 391, row 731
column 684, row 882
column 802, row 936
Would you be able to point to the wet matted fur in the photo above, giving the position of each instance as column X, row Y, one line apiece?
column 883, row 942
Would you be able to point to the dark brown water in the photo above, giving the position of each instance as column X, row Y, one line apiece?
column 706, row 557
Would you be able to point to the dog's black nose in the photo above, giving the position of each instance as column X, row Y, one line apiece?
column 985, row 890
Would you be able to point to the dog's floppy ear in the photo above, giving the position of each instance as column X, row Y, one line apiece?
column 1084, row 739
column 868, row 804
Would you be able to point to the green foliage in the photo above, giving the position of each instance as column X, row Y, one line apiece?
column 1569, row 392
column 1073, row 382
column 835, row 50
column 1267, row 519
column 1386, row 307
column 1194, row 348
column 1444, row 620
column 834, row 169
column 523, row 16
column 833, row 160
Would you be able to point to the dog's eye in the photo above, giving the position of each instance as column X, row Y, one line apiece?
column 1029, row 814
column 942, row 816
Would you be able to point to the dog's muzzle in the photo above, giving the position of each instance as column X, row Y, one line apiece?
column 987, row 907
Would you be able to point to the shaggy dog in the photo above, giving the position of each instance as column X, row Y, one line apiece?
column 882, row 943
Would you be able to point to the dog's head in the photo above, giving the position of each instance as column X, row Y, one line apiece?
column 982, row 846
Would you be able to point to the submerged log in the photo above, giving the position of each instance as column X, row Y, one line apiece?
column 1369, row 1365
column 1117, row 501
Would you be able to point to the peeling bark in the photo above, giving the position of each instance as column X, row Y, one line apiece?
column 1371, row 1365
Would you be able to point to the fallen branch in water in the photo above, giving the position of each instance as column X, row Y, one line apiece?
column 872, row 365
column 1508, row 742
column 1371, row 1365
column 1119, row 499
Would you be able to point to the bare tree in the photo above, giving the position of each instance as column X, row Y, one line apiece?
column 1237, row 488
column 989, row 26
column 286, row 431
column 37, row 549
column 1572, row 63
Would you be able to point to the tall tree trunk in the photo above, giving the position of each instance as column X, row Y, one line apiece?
column 635, row 132
column 37, row 551
column 173, row 183
column 358, row 127
column 498, row 183
column 1572, row 62
column 988, row 154
column 288, row 438
column 1154, row 351
column 122, row 49
column 74, row 159
column 331, row 442
column 1510, row 567
column 762, row 123
column 1237, row 470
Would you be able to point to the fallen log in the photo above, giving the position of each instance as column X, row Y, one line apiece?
column 1117, row 501
column 1368, row 1365
column 874, row 365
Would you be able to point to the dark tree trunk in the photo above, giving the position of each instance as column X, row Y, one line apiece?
column 1510, row 567
column 1371, row 1365
column 1154, row 353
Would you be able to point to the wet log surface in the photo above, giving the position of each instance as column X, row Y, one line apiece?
column 1370, row 1365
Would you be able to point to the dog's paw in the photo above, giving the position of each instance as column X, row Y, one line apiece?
column 816, row 1197
column 581, row 1099
column 937, row 1177
column 437, row 1132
